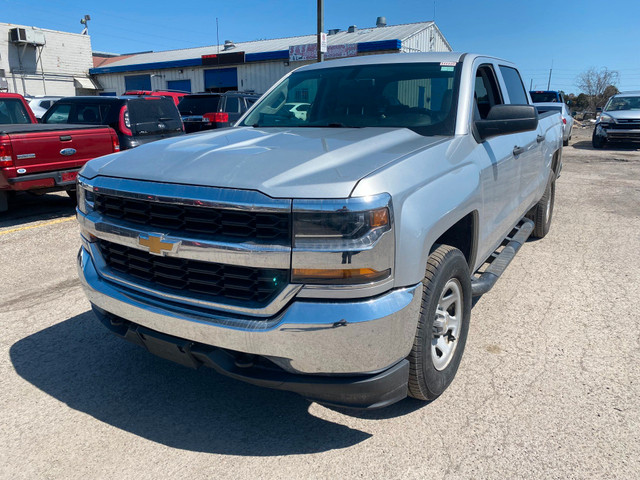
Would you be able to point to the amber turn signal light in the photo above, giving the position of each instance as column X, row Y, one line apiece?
column 337, row 276
column 380, row 217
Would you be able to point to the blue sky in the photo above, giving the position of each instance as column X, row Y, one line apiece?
column 572, row 34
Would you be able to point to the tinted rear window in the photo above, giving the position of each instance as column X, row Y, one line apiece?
column 12, row 111
column 517, row 93
column 154, row 115
column 198, row 105
column 78, row 113
column 542, row 97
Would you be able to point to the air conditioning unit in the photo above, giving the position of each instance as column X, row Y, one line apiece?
column 29, row 36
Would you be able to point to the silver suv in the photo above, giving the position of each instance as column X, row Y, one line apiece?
column 619, row 121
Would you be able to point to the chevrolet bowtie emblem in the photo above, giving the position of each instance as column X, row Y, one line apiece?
column 156, row 244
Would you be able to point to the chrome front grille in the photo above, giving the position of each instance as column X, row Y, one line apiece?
column 216, row 222
column 256, row 286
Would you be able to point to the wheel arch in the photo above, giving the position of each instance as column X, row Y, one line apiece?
column 462, row 235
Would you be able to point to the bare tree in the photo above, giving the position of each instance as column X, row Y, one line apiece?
column 595, row 83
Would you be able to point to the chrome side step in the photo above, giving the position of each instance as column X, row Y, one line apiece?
column 501, row 258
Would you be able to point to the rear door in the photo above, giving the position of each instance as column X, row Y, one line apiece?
column 154, row 118
column 530, row 159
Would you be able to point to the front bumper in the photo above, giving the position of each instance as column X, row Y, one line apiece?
column 618, row 133
column 316, row 337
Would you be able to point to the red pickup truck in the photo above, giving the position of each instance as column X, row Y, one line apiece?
column 44, row 158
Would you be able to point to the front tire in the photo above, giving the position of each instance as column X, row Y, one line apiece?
column 597, row 141
column 443, row 325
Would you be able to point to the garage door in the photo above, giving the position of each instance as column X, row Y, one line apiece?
column 137, row 82
column 181, row 85
column 221, row 79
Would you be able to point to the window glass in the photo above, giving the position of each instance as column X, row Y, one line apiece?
column 45, row 103
column 154, row 115
column 88, row 114
column 58, row 114
column 487, row 92
column 232, row 105
column 199, row 105
column 12, row 111
column 515, row 88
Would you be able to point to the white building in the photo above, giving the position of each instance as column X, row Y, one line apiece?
column 36, row 61
column 255, row 66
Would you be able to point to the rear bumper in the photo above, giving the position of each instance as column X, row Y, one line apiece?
column 61, row 179
column 317, row 337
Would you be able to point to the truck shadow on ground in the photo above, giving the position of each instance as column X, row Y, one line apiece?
column 79, row 363
column 612, row 147
column 25, row 207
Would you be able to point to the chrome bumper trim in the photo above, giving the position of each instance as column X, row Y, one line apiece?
column 312, row 337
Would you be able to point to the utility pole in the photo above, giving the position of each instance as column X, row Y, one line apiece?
column 531, row 84
column 320, row 29
column 550, row 70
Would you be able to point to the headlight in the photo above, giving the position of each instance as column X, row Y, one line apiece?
column 604, row 118
column 343, row 242
column 85, row 197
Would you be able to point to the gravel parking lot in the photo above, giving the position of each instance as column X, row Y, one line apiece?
column 549, row 386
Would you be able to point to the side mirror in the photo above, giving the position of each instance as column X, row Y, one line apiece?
column 506, row 119
column 598, row 109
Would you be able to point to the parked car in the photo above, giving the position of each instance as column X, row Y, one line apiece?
column 335, row 256
column 546, row 96
column 44, row 158
column 175, row 95
column 299, row 109
column 206, row 111
column 567, row 118
column 619, row 120
column 137, row 120
column 40, row 104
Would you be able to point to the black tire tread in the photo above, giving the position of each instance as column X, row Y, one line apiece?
column 416, row 375
column 537, row 213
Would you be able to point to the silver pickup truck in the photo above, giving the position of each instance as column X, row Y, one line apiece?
column 333, row 254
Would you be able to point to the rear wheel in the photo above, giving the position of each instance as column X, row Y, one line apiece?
column 542, row 212
column 443, row 325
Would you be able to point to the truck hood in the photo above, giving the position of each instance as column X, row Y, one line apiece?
column 280, row 162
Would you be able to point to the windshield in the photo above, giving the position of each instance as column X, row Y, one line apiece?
column 623, row 103
column 419, row 96
column 543, row 97
column 199, row 105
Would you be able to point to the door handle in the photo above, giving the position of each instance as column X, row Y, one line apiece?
column 517, row 151
column 540, row 138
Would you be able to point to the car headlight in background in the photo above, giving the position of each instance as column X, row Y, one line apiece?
column 604, row 118
column 343, row 242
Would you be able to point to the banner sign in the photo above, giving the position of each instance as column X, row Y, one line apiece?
column 223, row 59
column 300, row 53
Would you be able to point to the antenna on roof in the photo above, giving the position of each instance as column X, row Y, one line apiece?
column 217, row 36
column 84, row 21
